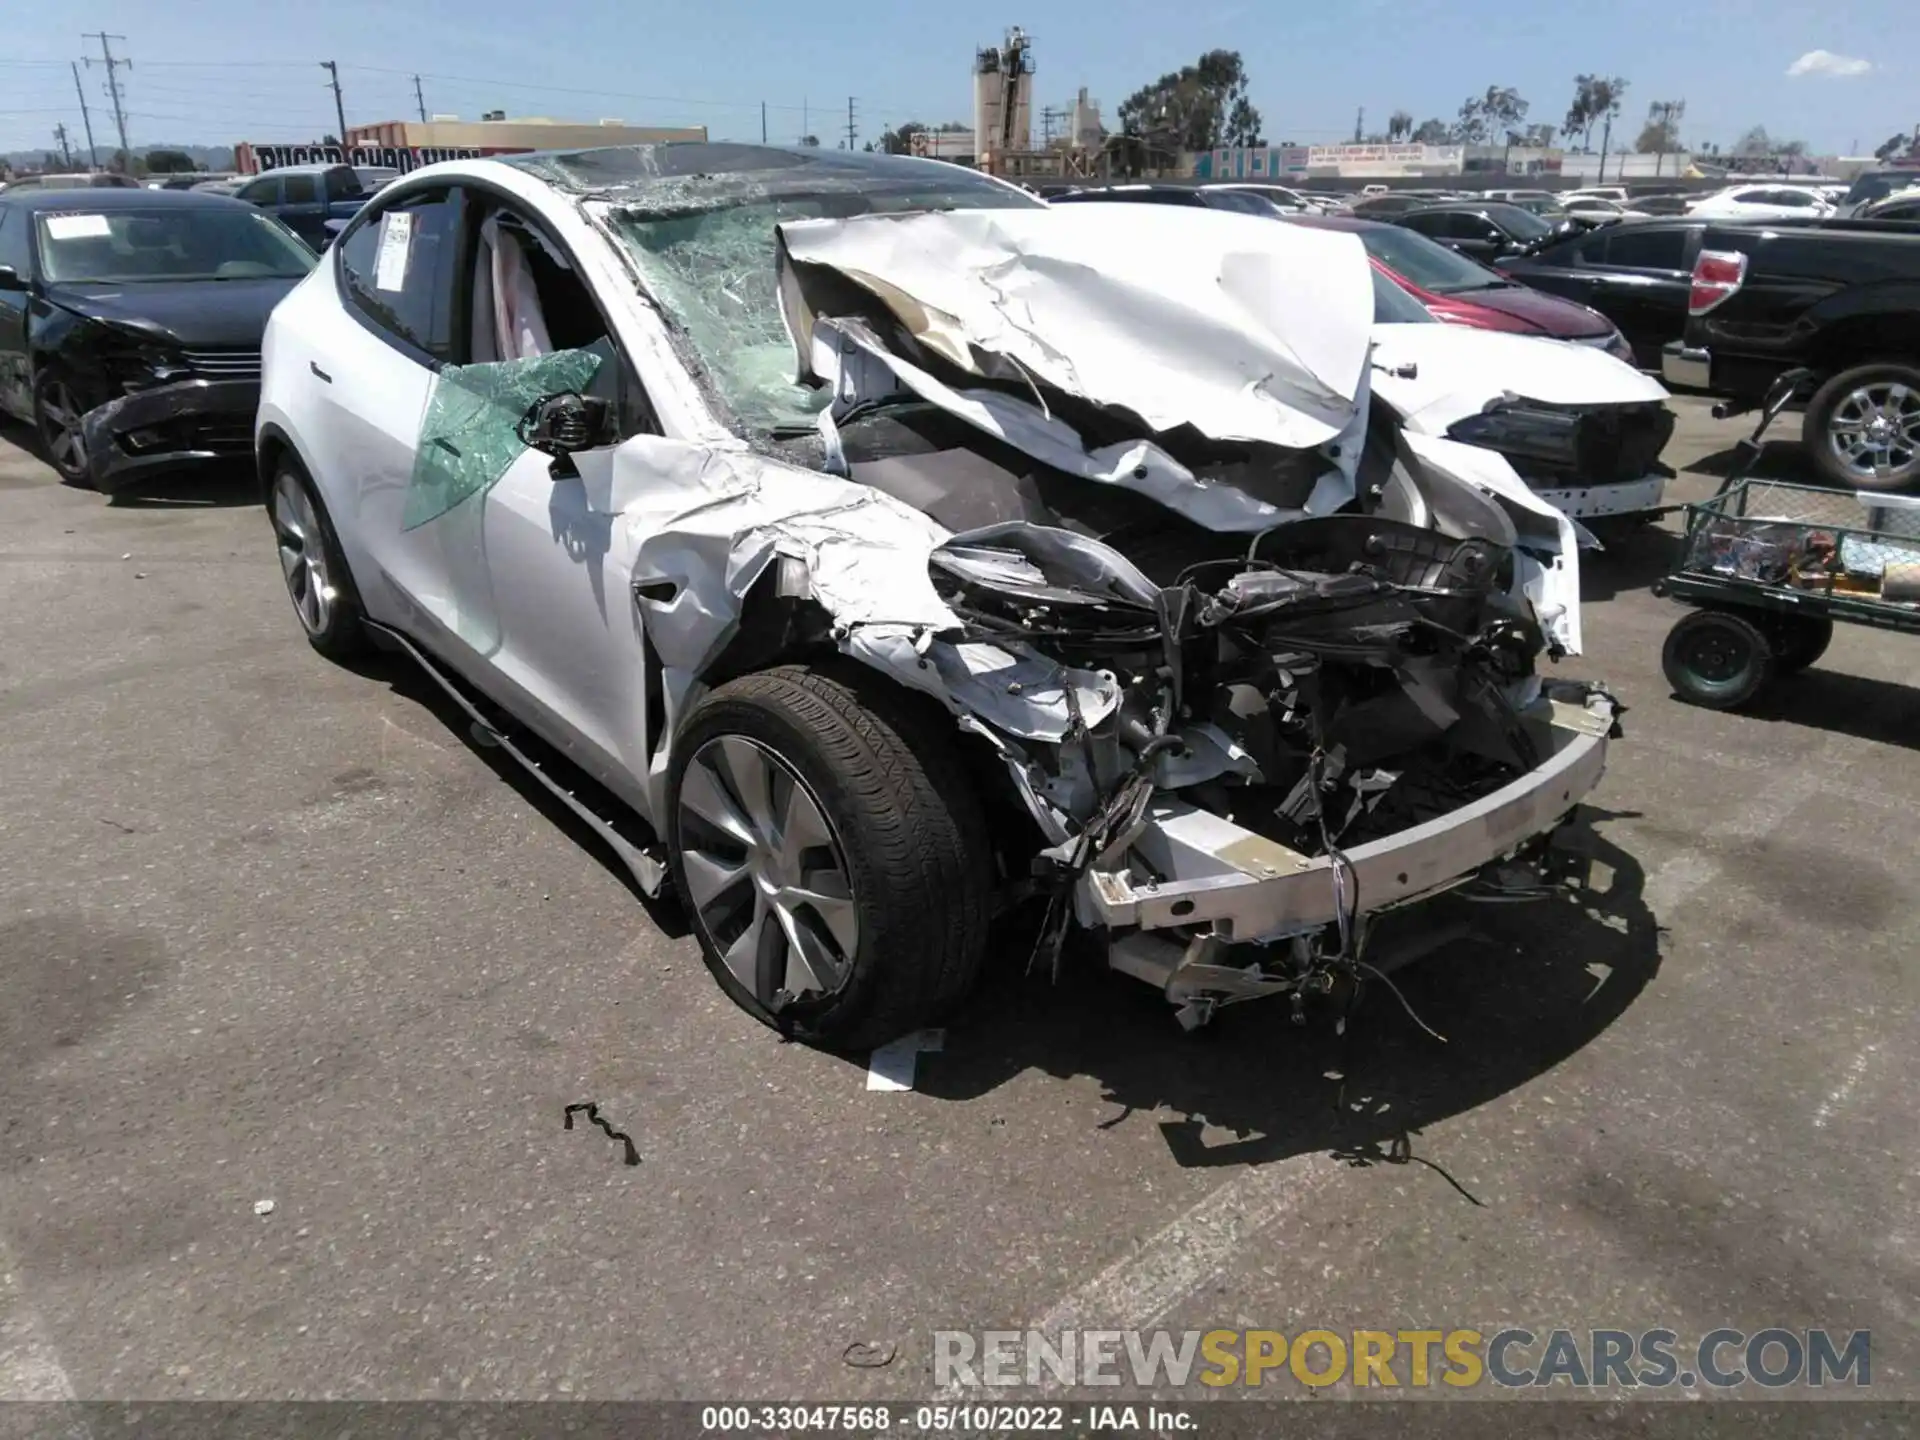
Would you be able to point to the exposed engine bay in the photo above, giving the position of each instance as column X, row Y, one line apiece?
column 1260, row 661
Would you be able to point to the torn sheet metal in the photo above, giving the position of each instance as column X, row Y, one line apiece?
column 706, row 524
column 1137, row 465
column 1547, row 556
column 1259, row 333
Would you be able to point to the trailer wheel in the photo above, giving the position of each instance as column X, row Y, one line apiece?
column 1717, row 659
column 1798, row 641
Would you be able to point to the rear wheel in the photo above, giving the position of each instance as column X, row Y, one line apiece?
column 57, row 415
column 318, row 582
column 1799, row 640
column 1717, row 659
column 834, row 860
column 1862, row 428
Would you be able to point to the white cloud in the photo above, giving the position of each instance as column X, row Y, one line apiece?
column 1830, row 65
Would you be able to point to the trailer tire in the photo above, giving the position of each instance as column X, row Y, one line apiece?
column 1717, row 659
column 1798, row 641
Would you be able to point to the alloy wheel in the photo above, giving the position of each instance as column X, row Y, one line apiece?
column 303, row 556
column 1875, row 430
column 60, row 428
column 766, row 874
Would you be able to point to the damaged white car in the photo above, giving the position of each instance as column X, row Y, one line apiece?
column 864, row 548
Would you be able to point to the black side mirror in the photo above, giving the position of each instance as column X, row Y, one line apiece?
column 11, row 279
column 559, row 425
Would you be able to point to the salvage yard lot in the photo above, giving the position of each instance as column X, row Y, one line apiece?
column 273, row 930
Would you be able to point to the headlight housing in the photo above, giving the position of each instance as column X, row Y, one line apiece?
column 1518, row 429
column 142, row 364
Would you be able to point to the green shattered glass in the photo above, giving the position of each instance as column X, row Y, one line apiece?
column 469, row 436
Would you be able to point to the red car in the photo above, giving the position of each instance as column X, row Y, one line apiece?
column 1464, row 292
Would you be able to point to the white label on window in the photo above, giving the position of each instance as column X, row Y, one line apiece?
column 396, row 236
column 76, row 227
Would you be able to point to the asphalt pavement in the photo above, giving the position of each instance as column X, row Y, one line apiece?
column 276, row 931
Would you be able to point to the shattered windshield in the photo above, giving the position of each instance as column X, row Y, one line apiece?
column 712, row 269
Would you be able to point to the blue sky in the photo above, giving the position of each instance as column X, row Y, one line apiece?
column 216, row 71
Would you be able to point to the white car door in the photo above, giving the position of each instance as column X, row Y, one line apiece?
column 372, row 376
column 533, row 564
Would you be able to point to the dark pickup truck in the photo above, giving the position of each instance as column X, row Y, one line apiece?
column 1840, row 299
column 305, row 198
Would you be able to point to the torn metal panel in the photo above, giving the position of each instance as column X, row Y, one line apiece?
column 1260, row 333
column 1548, row 550
column 705, row 527
column 1139, row 465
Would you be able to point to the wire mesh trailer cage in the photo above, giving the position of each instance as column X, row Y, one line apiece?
column 1771, row 567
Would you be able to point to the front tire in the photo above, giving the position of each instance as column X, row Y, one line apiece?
column 1862, row 428
column 1717, row 659
column 834, row 859
column 58, row 415
column 318, row 581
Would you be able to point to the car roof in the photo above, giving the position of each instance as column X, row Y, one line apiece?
column 320, row 168
column 112, row 198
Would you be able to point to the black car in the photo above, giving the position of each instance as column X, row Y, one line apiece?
column 1192, row 196
column 130, row 325
column 1487, row 231
column 1638, row 275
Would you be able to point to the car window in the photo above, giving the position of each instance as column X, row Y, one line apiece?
column 264, row 191
column 1662, row 248
column 1428, row 224
column 1903, row 210
column 1239, row 200
column 1751, row 197
column 550, row 309
column 1394, row 306
column 344, row 184
column 1800, row 199
column 16, row 246
column 136, row 246
column 1462, row 226
column 299, row 190
column 395, row 268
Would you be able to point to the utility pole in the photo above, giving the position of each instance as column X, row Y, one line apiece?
column 763, row 122
column 852, row 132
column 419, row 100
column 66, row 155
column 1359, row 124
column 113, row 87
column 806, row 119
column 1606, row 138
column 93, row 155
column 339, row 109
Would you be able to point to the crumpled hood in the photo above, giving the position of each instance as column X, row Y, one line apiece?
column 211, row 313
column 1459, row 369
column 1245, row 330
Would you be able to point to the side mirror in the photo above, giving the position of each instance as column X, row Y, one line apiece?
column 11, row 279
column 560, row 425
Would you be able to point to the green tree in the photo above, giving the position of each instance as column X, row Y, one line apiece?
column 1753, row 143
column 170, row 162
column 1399, row 126
column 1895, row 147
column 1490, row 118
column 1198, row 107
column 1430, row 132
column 811, row 140
column 1595, row 98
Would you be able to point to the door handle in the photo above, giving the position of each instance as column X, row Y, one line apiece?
column 318, row 373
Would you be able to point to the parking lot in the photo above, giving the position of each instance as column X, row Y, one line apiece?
column 271, row 930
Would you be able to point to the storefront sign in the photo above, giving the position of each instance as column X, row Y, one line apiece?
column 391, row 157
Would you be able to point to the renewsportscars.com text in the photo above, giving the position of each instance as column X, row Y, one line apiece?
column 1394, row 1359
